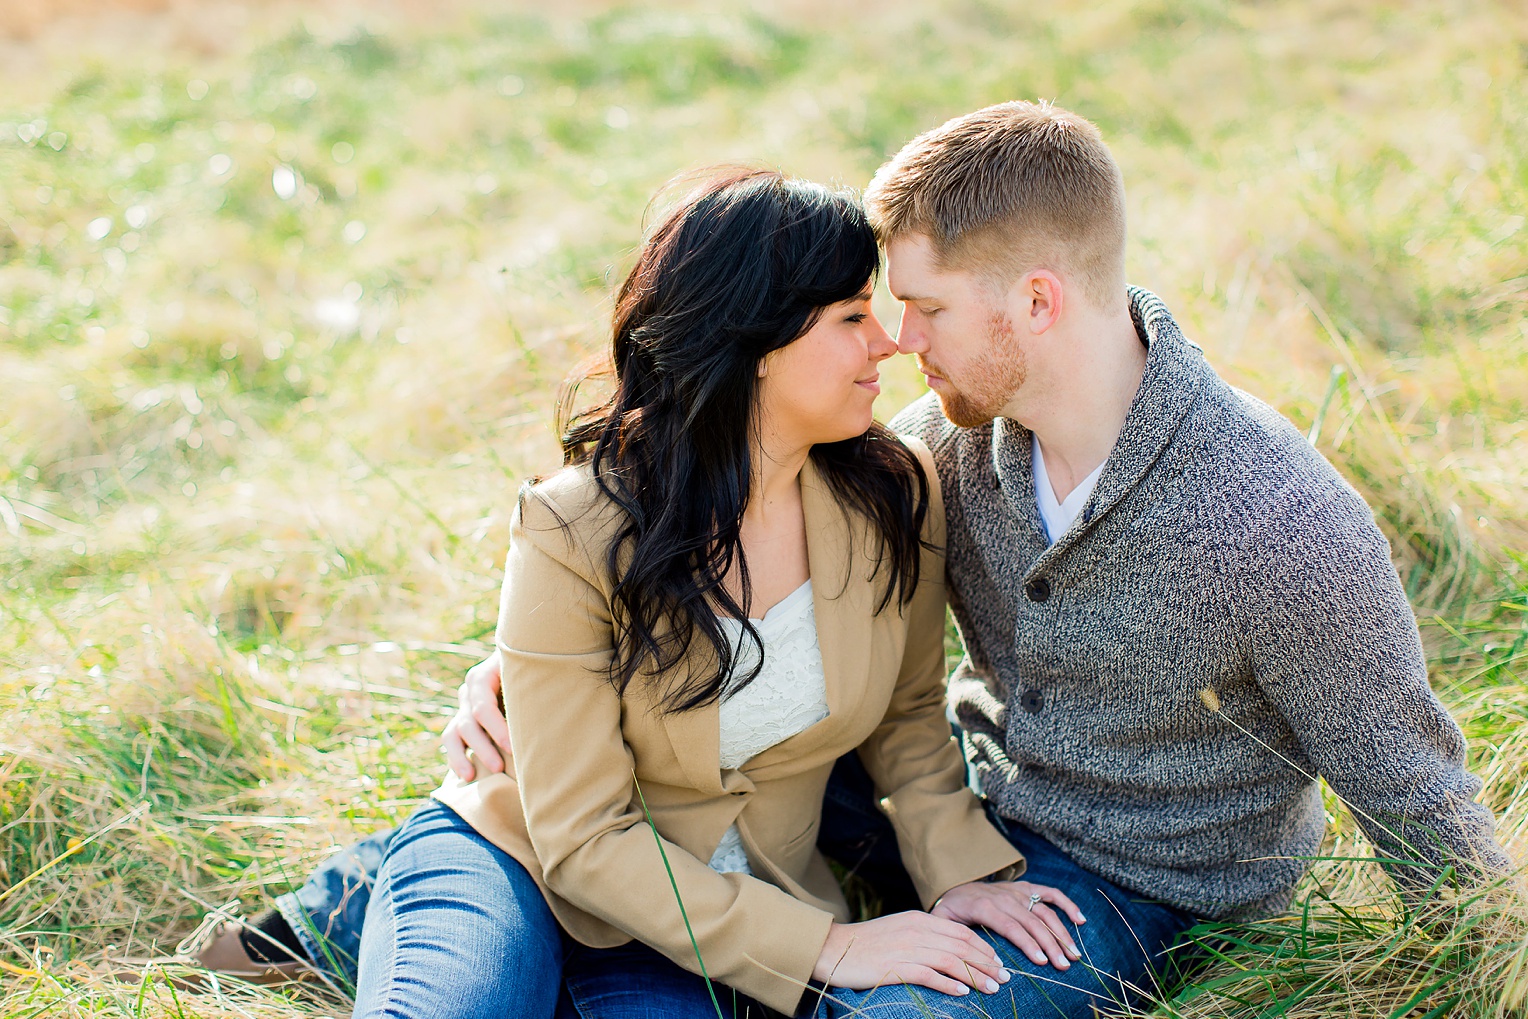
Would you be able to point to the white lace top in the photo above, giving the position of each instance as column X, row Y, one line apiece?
column 787, row 697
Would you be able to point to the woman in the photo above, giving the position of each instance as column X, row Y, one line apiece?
column 735, row 581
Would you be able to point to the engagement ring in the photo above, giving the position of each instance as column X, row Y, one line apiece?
column 1032, row 900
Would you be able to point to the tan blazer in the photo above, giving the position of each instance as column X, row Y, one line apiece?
column 568, row 808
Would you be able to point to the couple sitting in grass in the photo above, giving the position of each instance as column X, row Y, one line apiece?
column 725, row 616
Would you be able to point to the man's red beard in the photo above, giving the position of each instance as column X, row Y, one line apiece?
column 990, row 380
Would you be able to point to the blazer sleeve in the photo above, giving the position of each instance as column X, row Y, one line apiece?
column 578, row 788
column 915, row 762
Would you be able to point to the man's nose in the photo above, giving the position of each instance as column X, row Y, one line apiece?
column 909, row 339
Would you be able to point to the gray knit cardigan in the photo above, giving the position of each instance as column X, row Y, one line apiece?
column 1155, row 692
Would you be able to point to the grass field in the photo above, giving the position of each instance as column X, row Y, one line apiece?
column 280, row 327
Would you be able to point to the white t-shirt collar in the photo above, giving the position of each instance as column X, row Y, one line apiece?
column 1058, row 516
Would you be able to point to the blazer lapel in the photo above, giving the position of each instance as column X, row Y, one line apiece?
column 696, row 736
column 842, row 592
column 842, row 602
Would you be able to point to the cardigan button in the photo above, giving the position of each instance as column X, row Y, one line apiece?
column 1032, row 701
column 1038, row 589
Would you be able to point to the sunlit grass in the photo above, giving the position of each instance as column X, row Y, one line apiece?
column 280, row 331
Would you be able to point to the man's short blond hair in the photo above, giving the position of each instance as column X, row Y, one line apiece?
column 1007, row 189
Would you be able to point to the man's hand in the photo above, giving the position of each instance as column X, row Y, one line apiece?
column 479, row 725
column 912, row 948
column 1004, row 907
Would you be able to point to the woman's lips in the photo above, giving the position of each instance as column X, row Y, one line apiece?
column 873, row 383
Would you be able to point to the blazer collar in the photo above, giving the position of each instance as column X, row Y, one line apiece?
column 842, row 601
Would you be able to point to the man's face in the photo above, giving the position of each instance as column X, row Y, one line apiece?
column 959, row 328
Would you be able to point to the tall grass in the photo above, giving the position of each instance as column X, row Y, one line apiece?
column 280, row 326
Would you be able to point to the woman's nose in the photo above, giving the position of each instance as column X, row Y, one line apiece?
column 880, row 345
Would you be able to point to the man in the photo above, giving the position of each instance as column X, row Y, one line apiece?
column 1176, row 614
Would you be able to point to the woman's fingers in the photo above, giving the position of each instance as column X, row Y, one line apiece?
column 481, row 698
column 470, row 732
column 1017, row 910
column 973, row 964
column 940, row 970
column 1021, row 939
column 492, row 724
column 964, row 941
column 479, row 724
column 1058, row 930
column 926, row 976
column 456, row 753
column 957, row 952
column 1057, row 898
column 464, row 732
column 1044, row 911
column 487, row 752
column 1056, row 945
column 1030, row 931
column 1006, row 909
column 1061, row 951
column 912, row 947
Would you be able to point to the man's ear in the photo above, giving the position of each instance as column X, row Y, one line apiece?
column 1042, row 298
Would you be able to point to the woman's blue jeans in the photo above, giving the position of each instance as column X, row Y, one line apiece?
column 457, row 927
column 446, row 898
column 329, row 910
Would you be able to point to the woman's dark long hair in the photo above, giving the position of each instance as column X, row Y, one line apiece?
column 744, row 265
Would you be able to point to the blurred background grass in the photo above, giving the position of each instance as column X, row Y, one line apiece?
column 286, row 291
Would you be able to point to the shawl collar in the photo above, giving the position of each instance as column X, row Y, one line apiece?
column 1175, row 370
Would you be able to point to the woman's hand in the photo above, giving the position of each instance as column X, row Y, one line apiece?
column 1004, row 907
column 479, row 723
column 912, row 948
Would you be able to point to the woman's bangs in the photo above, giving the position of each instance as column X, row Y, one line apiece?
column 843, row 256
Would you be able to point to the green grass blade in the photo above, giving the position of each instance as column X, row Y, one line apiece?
column 710, row 988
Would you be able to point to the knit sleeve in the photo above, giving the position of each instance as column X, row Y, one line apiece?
column 1335, row 648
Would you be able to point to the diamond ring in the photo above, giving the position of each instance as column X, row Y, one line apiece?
column 1033, row 900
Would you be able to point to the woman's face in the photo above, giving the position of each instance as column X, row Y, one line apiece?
column 821, row 387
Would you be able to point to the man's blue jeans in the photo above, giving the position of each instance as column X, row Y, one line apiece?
column 1126, row 949
column 1124, row 943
